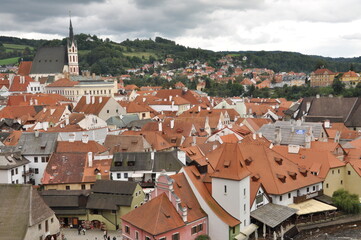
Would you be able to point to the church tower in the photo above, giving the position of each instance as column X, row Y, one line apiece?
column 72, row 53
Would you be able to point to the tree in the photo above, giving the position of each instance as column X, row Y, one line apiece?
column 347, row 202
column 203, row 237
column 337, row 86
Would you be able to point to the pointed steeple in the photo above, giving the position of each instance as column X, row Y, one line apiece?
column 71, row 33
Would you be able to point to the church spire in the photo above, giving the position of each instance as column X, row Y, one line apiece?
column 71, row 33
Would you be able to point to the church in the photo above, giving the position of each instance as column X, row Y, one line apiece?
column 56, row 62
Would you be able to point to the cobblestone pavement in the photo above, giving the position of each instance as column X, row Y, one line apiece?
column 72, row 234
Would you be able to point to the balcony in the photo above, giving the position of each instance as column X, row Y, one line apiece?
column 306, row 197
column 28, row 172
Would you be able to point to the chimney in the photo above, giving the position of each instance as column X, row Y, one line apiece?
column 170, row 97
column 254, row 136
column 93, row 75
column 308, row 105
column 36, row 101
column 37, row 133
column 87, row 99
column 90, row 159
column 278, row 136
column 144, row 99
column 160, row 127
column 85, row 138
column 194, row 142
column 152, row 155
column 100, row 99
column 172, row 123
column 182, row 157
column 199, row 108
column 260, row 134
column 93, row 99
column 327, row 124
column 66, row 119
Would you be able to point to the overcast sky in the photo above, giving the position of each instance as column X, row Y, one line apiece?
column 317, row 27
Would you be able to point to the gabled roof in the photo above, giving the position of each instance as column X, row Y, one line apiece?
column 49, row 60
column 164, row 217
column 80, row 146
column 36, row 99
column 24, row 68
column 27, row 209
column 63, row 82
column 155, row 139
column 91, row 108
column 51, row 114
column 43, row 144
column 124, row 143
column 20, row 83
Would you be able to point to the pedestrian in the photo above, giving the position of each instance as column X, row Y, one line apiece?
column 105, row 235
column 114, row 238
column 108, row 237
column 79, row 229
column 83, row 231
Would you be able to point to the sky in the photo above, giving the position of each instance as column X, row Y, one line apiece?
column 329, row 28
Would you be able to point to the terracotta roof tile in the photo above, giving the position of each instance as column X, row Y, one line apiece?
column 24, row 68
column 81, row 147
column 63, row 82
column 20, row 83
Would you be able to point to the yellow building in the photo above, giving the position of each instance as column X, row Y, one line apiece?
column 322, row 77
column 350, row 78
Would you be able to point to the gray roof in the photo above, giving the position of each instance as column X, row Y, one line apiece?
column 108, row 201
column 142, row 161
column 49, row 60
column 44, row 144
column 291, row 132
column 22, row 207
column 12, row 160
column 122, row 122
column 138, row 123
column 272, row 214
column 114, row 187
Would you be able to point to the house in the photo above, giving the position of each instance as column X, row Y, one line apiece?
column 322, row 77
column 103, row 107
column 350, row 78
column 333, row 109
column 124, row 143
column 75, row 170
column 28, row 217
column 37, row 148
column 172, row 213
column 69, row 206
column 19, row 84
column 110, row 200
column 145, row 167
column 50, row 116
column 294, row 133
column 142, row 110
column 14, row 168
column 121, row 121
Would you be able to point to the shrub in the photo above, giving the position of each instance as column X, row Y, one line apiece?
column 345, row 201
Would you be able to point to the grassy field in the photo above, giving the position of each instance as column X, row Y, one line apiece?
column 10, row 47
column 146, row 55
column 9, row 61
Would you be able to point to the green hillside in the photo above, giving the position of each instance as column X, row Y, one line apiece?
column 103, row 56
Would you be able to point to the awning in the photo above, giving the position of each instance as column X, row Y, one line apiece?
column 273, row 214
column 246, row 232
column 311, row 206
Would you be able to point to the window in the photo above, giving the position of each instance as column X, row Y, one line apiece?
column 338, row 170
column 147, row 238
column 281, row 198
column 175, row 236
column 163, row 238
column 333, row 171
column 107, row 111
column 114, row 211
column 39, row 226
column 41, row 238
column 341, row 182
column 244, row 192
column 349, row 172
column 17, row 181
column 43, row 159
column 91, row 185
column 143, row 115
column 127, row 230
column 259, row 199
column 136, row 235
column 16, row 171
column 12, row 172
column 326, row 185
column 289, row 195
column 83, row 186
column 67, row 187
column 314, row 188
column 52, row 220
column 200, row 227
column 308, row 189
column 36, row 170
column 46, row 226
column 119, row 175
column 194, row 230
column 233, row 230
column 244, row 207
column 225, row 189
column 36, row 159
column 125, row 175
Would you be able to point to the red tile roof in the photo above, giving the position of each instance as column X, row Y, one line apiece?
column 63, row 82
column 79, row 146
column 27, row 99
column 156, row 216
column 91, row 108
column 20, row 83
column 24, row 68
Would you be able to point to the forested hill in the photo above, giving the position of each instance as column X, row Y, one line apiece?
column 104, row 56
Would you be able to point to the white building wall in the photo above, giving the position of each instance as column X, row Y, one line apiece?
column 160, row 108
column 264, row 201
column 287, row 198
column 97, row 135
column 38, row 167
column 217, row 228
column 35, row 233
column 234, row 197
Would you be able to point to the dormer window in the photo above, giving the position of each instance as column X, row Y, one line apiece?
column 278, row 160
